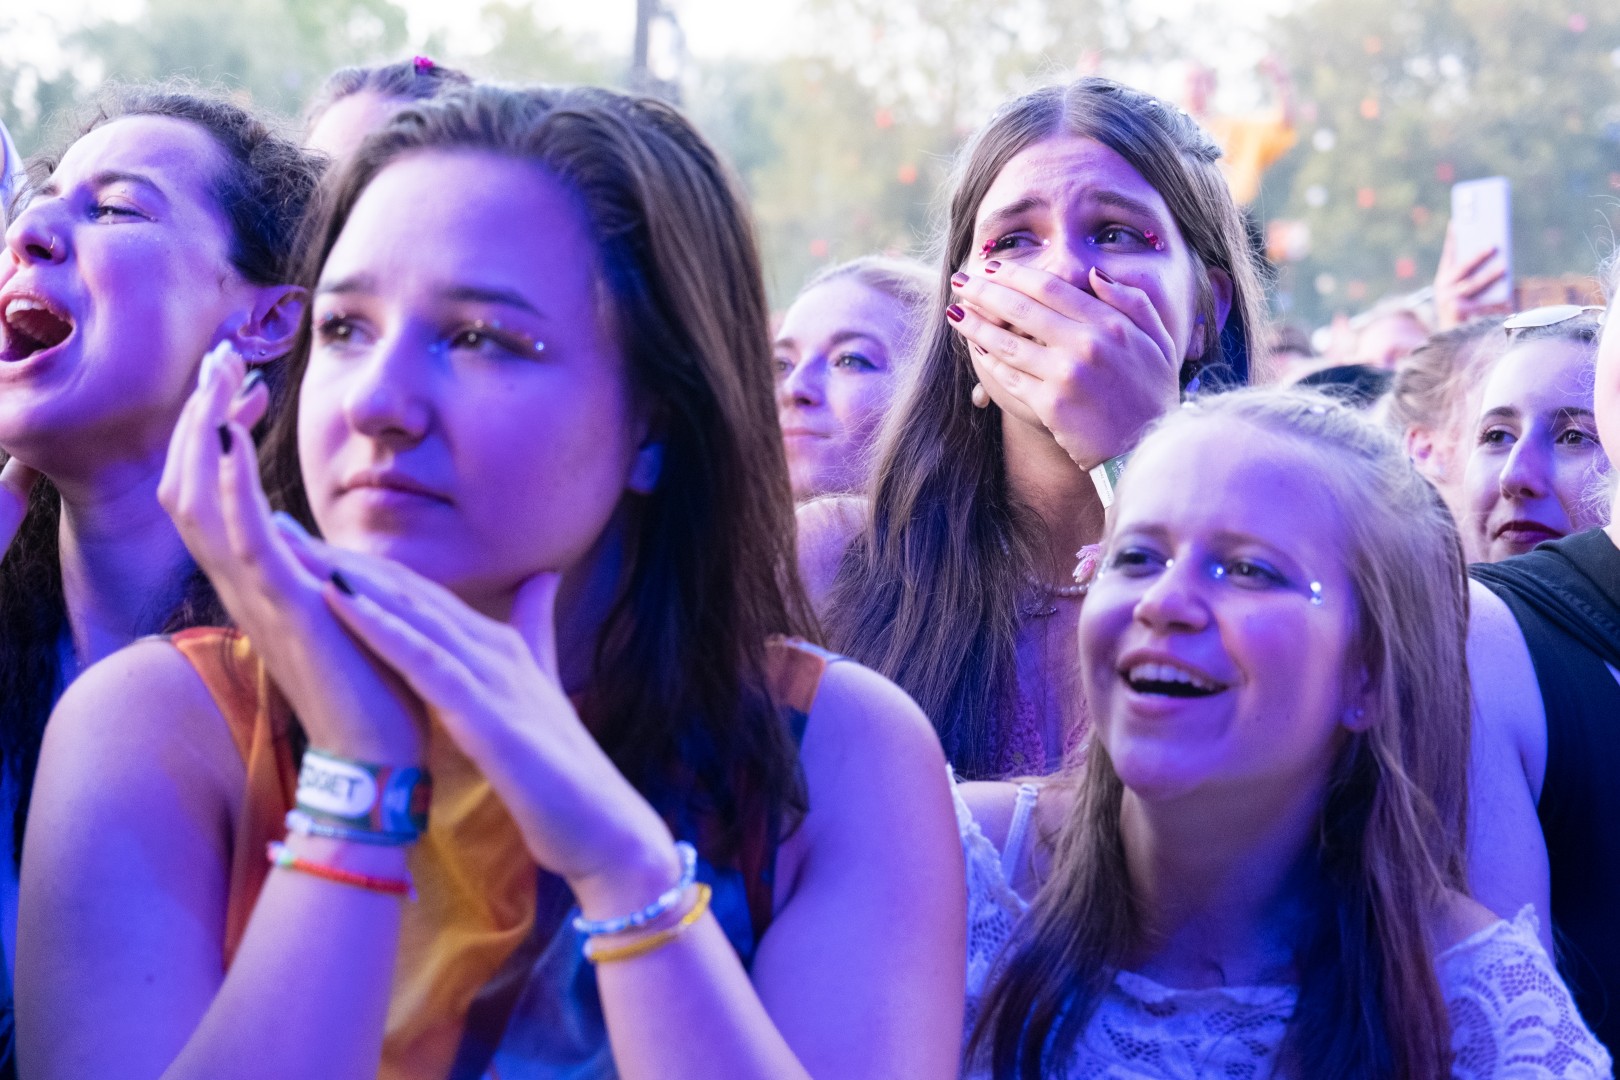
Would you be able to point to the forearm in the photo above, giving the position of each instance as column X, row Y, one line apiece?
column 307, row 992
column 688, row 1010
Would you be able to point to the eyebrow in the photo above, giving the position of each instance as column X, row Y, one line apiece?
column 838, row 339
column 107, row 178
column 994, row 220
column 1574, row 412
column 363, row 284
column 1501, row 412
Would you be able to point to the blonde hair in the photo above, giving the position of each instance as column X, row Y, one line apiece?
column 1390, row 841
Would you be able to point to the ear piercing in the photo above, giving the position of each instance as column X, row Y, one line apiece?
column 980, row 396
column 1316, row 599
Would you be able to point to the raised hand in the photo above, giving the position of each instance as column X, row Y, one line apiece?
column 16, row 482
column 1093, row 368
column 347, row 703
column 1458, row 285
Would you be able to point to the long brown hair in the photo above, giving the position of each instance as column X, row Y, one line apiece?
column 928, row 594
column 261, row 188
column 677, row 697
column 1390, row 841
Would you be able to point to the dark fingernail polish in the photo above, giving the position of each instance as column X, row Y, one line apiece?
column 992, row 266
column 959, row 279
column 224, row 438
column 1100, row 272
column 254, row 378
column 955, row 313
column 341, row 584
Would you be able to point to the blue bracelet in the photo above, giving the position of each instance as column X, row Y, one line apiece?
column 665, row 901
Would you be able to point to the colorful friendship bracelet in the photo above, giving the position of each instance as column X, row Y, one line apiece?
column 597, row 953
column 301, row 823
column 666, row 900
column 363, row 797
column 280, row 855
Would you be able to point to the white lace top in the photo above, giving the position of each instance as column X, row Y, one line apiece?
column 1512, row 1017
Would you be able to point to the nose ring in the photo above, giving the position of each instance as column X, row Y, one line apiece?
column 53, row 247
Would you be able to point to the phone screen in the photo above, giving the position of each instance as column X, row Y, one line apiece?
column 1481, row 219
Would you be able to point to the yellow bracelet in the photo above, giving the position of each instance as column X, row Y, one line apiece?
column 641, row 947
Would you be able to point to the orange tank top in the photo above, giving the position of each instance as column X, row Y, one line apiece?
column 476, row 883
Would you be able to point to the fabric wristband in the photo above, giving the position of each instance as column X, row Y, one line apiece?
column 1105, row 478
column 359, row 795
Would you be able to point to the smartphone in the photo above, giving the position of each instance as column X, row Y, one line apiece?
column 1481, row 219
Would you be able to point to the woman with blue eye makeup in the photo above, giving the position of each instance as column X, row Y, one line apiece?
column 1095, row 265
column 1258, row 870
column 839, row 355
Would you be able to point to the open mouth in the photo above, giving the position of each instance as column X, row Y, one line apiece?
column 1168, row 680
column 32, row 327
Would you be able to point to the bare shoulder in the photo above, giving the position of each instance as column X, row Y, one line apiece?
column 861, row 720
column 826, row 527
column 1457, row 919
column 1508, row 709
column 1498, row 657
column 873, row 770
column 991, row 802
column 143, row 708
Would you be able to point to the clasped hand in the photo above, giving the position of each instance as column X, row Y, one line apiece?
column 363, row 662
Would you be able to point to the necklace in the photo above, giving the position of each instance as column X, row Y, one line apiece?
column 1085, row 572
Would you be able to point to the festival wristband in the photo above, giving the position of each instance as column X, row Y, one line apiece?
column 301, row 823
column 1105, row 478
column 358, row 795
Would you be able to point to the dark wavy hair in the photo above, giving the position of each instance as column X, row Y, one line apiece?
column 678, row 697
column 928, row 594
column 262, row 187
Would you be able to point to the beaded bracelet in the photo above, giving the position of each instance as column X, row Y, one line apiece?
column 666, row 900
column 304, row 825
column 597, row 953
column 282, row 856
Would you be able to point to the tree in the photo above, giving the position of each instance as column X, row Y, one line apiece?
column 1412, row 95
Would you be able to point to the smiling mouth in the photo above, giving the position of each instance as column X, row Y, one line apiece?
column 1167, row 680
column 31, row 328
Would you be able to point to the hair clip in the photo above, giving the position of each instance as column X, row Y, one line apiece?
column 423, row 64
column 1316, row 593
column 1153, row 239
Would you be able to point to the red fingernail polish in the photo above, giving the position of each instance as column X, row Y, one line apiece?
column 992, row 266
column 959, row 279
column 955, row 313
column 1100, row 272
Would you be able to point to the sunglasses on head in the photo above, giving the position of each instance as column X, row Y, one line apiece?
column 1551, row 315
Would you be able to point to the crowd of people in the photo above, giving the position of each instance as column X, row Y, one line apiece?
column 450, row 629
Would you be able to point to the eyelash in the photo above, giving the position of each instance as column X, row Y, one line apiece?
column 337, row 328
column 1252, row 571
column 1146, row 237
column 106, row 209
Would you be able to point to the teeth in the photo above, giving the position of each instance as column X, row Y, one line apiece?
column 1167, row 673
column 23, row 304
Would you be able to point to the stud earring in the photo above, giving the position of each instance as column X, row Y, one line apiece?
column 1316, row 593
column 980, row 396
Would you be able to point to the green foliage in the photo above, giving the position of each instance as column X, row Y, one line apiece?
column 1418, row 93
